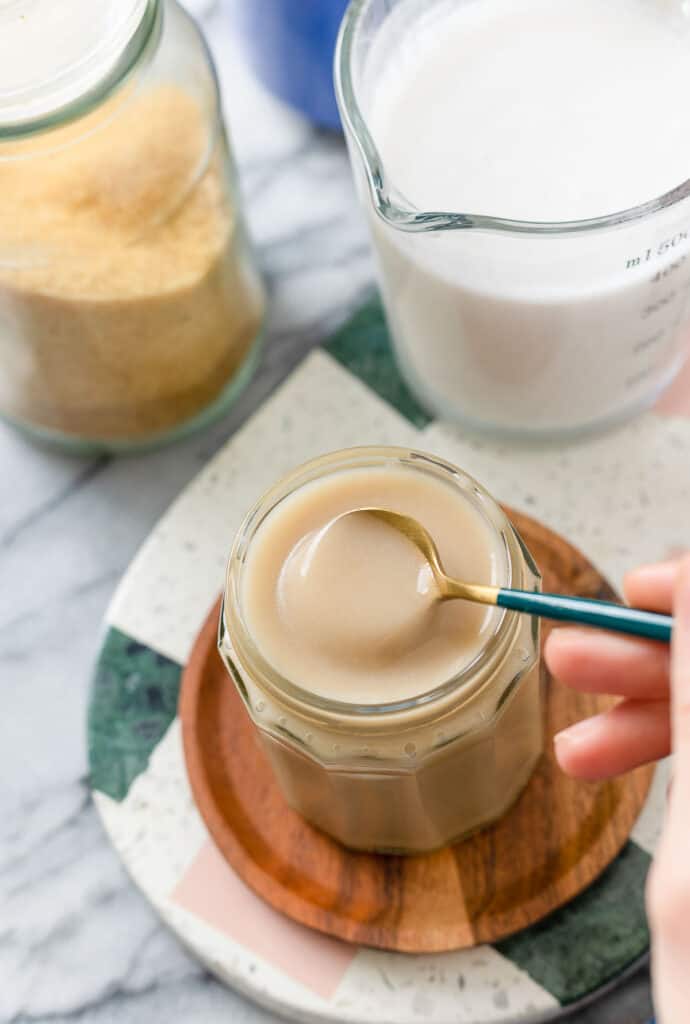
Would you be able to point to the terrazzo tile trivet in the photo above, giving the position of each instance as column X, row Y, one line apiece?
column 622, row 498
column 552, row 843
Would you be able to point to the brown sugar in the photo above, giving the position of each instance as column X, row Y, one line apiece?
column 128, row 299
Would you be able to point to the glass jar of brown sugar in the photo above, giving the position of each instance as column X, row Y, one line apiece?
column 130, row 303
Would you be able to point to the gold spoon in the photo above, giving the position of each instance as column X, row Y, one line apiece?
column 604, row 614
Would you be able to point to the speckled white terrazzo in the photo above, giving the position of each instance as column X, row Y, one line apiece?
column 176, row 577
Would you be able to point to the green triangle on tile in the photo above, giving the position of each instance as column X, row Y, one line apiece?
column 591, row 940
column 133, row 702
column 363, row 346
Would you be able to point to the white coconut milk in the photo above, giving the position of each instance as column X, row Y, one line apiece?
column 535, row 110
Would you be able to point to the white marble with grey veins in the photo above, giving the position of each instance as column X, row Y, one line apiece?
column 77, row 941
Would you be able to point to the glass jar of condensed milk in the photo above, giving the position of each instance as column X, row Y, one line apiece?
column 130, row 302
column 392, row 743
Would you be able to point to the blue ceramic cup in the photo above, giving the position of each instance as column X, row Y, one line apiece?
column 291, row 44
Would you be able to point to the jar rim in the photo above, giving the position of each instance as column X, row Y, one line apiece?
column 466, row 683
column 77, row 87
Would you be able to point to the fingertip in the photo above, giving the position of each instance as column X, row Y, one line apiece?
column 651, row 586
column 615, row 741
column 578, row 748
column 561, row 645
column 562, row 749
column 559, row 655
column 573, row 656
column 552, row 647
column 573, row 757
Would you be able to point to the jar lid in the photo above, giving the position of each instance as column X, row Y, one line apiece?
column 53, row 55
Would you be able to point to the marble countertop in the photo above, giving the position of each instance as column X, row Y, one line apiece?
column 77, row 941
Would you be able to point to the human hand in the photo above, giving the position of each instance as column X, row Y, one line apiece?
column 638, row 729
column 652, row 719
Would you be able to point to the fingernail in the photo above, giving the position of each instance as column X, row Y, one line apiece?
column 576, row 734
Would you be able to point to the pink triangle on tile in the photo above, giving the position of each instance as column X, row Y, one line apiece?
column 211, row 890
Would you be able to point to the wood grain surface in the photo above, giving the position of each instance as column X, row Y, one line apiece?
column 558, row 837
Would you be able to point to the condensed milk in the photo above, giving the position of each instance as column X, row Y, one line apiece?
column 392, row 721
column 349, row 607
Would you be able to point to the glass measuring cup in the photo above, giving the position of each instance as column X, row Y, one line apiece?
column 516, row 327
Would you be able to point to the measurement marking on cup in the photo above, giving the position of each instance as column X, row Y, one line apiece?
column 637, row 378
column 654, row 252
column 670, row 269
column 649, row 342
column 656, row 307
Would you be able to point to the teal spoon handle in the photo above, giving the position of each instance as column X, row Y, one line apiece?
column 603, row 614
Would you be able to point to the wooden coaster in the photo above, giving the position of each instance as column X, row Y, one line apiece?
column 552, row 844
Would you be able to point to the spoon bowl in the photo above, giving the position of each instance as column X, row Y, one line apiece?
column 448, row 588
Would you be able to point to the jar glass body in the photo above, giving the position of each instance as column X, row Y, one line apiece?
column 417, row 775
column 130, row 302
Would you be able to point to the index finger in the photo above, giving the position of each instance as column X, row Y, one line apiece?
column 680, row 683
